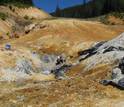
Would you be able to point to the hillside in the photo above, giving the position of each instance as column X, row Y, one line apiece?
column 15, row 15
column 21, row 89
column 113, row 18
column 31, row 44
column 13, row 20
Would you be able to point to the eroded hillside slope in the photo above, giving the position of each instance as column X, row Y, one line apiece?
column 23, row 84
column 13, row 20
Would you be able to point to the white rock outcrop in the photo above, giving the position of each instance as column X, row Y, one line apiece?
column 109, row 57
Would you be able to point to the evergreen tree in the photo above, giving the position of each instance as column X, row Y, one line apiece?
column 58, row 11
column 84, row 2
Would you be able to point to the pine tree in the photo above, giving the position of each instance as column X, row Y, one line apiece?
column 84, row 2
column 58, row 10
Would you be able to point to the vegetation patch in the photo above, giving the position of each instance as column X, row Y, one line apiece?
column 18, row 3
column 113, row 18
column 26, row 17
column 3, row 16
column 118, row 15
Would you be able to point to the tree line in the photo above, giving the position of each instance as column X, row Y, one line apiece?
column 91, row 9
column 16, row 2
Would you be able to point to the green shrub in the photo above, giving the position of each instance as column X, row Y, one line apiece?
column 118, row 15
column 3, row 16
column 10, row 7
column 26, row 17
column 7, row 33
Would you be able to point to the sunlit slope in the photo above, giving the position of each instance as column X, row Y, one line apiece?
column 71, row 30
column 14, row 19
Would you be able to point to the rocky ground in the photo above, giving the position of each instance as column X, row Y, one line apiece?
column 54, row 36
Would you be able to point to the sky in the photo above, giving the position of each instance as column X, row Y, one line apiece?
column 50, row 5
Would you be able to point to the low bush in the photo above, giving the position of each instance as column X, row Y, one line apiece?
column 3, row 16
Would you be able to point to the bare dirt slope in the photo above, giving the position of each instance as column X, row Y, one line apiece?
column 13, row 20
column 72, row 35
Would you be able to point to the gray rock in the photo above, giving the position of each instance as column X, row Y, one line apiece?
column 116, row 44
column 117, row 79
